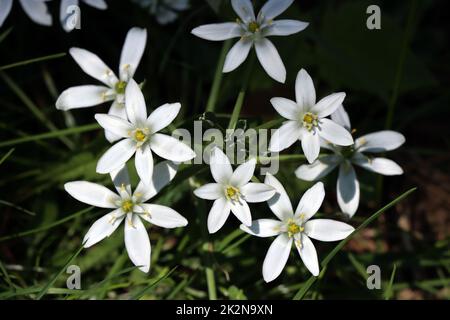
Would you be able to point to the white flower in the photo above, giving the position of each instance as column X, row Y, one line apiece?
column 307, row 119
column 140, row 135
column 295, row 227
column 91, row 95
column 253, row 31
column 130, row 206
column 165, row 11
column 344, row 157
column 65, row 12
column 231, row 191
column 36, row 9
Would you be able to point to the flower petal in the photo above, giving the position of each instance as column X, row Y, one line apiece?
column 121, row 180
column 114, row 124
column 82, row 97
column 143, row 161
column 318, row 169
column 311, row 201
column 170, row 148
column 5, row 9
column 243, row 173
column 279, row 204
column 328, row 105
column 285, row 136
column 380, row 141
column 263, row 228
column 132, row 51
column 92, row 193
column 137, row 242
column 382, row 166
column 284, row 27
column 257, row 192
column 308, row 254
column 162, row 116
column 66, row 14
column 163, row 173
column 220, row 166
column 237, row 54
column 276, row 257
column 340, row 116
column 98, row 4
column 270, row 59
column 116, row 156
column 273, row 8
column 37, row 11
column 135, row 104
column 242, row 211
column 91, row 64
column 218, row 215
column 103, row 227
column 286, row 108
column 334, row 133
column 218, row 31
column 311, row 145
column 162, row 216
column 244, row 9
column 117, row 109
column 347, row 189
column 305, row 94
column 210, row 191
column 327, row 229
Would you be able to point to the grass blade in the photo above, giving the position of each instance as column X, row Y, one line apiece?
column 388, row 293
column 6, row 155
column 34, row 60
column 145, row 290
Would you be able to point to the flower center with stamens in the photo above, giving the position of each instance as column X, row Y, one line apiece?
column 253, row 26
column 140, row 136
column 293, row 228
column 120, row 87
column 232, row 193
column 127, row 206
column 347, row 152
column 310, row 120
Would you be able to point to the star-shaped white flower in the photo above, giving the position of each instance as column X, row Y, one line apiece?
column 295, row 227
column 347, row 183
column 231, row 191
column 91, row 95
column 254, row 31
column 36, row 9
column 140, row 135
column 130, row 206
column 65, row 13
column 307, row 119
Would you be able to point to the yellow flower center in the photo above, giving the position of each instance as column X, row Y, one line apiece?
column 310, row 120
column 232, row 193
column 120, row 87
column 253, row 26
column 127, row 206
column 294, row 228
column 140, row 136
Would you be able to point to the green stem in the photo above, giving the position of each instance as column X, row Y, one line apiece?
column 29, row 61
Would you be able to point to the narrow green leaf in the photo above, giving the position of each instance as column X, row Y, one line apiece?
column 147, row 289
column 388, row 293
column 34, row 60
column 6, row 155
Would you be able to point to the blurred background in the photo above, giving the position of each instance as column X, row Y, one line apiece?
column 401, row 69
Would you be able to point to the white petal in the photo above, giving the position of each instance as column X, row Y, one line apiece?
column 218, row 31
column 92, row 193
column 93, row 66
column 237, row 54
column 279, row 204
column 286, row 108
column 347, row 189
column 162, row 216
column 170, row 148
column 121, row 180
column 328, row 105
column 285, row 136
column 263, row 228
column 137, row 242
column 98, row 4
column 270, row 60
column 132, row 51
column 37, row 11
column 311, row 145
column 162, row 116
column 103, row 227
column 116, row 156
column 382, row 166
column 380, row 141
column 82, row 97
column 242, row 211
column 5, row 9
column 284, row 27
column 276, row 257
column 143, row 161
column 244, row 9
column 305, row 94
column 163, row 173
column 135, row 104
column 327, row 230
column 220, row 166
column 117, row 109
column 308, row 254
column 210, row 191
column 318, row 169
column 334, row 133
column 114, row 124
column 311, row 201
column 243, row 173
column 218, row 215
column 273, row 8
column 257, row 192
column 340, row 116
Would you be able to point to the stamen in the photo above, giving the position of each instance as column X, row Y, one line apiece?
column 253, row 26
column 310, row 121
column 120, row 87
column 232, row 193
column 127, row 206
